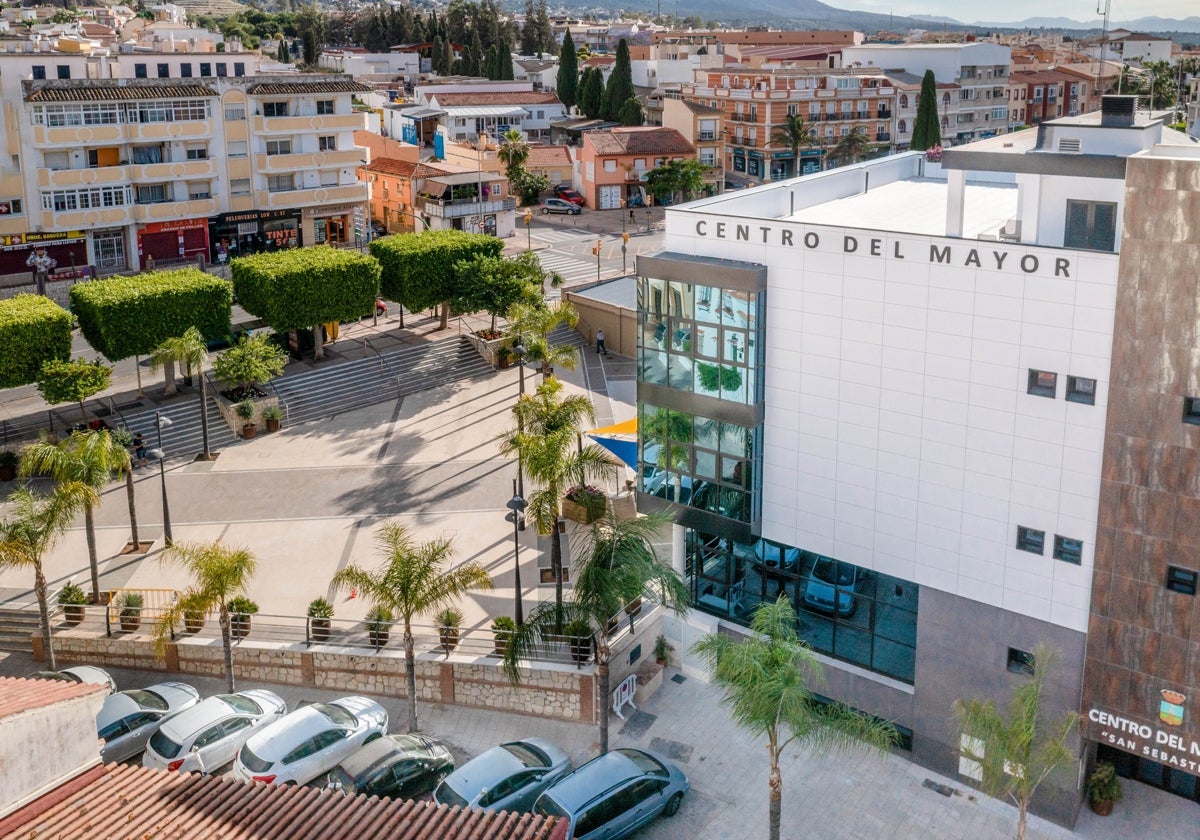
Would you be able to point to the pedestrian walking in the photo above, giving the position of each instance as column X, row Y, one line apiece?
column 139, row 450
column 600, row 348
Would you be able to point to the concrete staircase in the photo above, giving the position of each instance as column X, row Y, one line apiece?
column 16, row 628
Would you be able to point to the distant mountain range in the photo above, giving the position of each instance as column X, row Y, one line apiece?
column 1142, row 24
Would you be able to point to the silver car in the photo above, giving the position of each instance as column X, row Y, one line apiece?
column 209, row 735
column 81, row 674
column 128, row 718
column 505, row 778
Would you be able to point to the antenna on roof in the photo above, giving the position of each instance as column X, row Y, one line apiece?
column 1103, row 38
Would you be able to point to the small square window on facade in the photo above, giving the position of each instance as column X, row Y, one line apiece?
column 1042, row 383
column 1181, row 580
column 64, row 71
column 1191, row 410
column 1068, row 550
column 164, row 71
column 1020, row 661
column 139, row 71
column 39, row 71
column 1031, row 540
column 1081, row 390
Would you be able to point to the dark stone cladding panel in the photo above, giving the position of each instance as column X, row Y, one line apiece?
column 1146, row 638
column 705, row 271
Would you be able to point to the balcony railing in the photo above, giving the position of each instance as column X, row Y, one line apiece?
column 883, row 113
column 882, row 137
column 708, row 135
column 459, row 207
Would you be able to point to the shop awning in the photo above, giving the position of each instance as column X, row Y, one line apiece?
column 459, row 178
column 485, row 111
column 619, row 439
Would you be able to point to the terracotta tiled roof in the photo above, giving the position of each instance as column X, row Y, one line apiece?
column 135, row 802
column 532, row 97
column 639, row 141
column 600, row 60
column 404, row 168
column 20, row 695
column 287, row 88
column 548, row 156
column 700, row 109
column 68, row 92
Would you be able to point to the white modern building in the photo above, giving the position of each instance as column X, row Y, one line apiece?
column 886, row 392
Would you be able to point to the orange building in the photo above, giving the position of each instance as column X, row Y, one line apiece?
column 613, row 164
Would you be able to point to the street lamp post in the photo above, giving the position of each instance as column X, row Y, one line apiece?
column 519, row 353
column 528, row 234
column 624, row 249
column 516, row 515
column 160, row 423
column 623, row 203
column 596, row 251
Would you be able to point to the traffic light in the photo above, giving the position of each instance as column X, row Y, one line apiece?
column 528, row 216
column 625, row 238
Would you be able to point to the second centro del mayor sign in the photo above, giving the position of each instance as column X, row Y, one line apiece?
column 1153, row 742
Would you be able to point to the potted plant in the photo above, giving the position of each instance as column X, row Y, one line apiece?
column 634, row 607
column 584, row 503
column 579, row 636
column 271, row 415
column 448, row 621
column 8, row 465
column 1104, row 788
column 379, row 621
column 193, row 621
column 503, row 629
column 319, row 613
column 662, row 649
column 245, row 411
column 503, row 356
column 240, row 610
column 131, row 611
column 72, row 599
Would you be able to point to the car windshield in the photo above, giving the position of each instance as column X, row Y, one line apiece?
column 528, row 755
column 547, row 807
column 337, row 714
column 252, row 762
column 162, row 744
column 828, row 571
column 241, row 704
column 645, row 763
column 147, row 699
column 447, row 795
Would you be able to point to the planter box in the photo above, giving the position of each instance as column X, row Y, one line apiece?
column 488, row 349
column 234, row 422
column 584, row 513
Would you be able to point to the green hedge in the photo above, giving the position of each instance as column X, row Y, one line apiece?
column 418, row 268
column 33, row 329
column 304, row 287
column 130, row 316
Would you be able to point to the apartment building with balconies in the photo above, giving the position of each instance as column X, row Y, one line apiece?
column 908, row 98
column 700, row 125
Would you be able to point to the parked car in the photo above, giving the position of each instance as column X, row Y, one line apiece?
column 378, row 229
column 505, row 778
column 831, row 587
column 209, row 735
column 80, row 674
column 763, row 553
column 403, row 766
column 615, row 794
column 558, row 205
column 569, row 193
column 310, row 741
column 128, row 718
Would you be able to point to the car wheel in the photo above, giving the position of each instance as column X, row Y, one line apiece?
column 545, row 211
column 672, row 806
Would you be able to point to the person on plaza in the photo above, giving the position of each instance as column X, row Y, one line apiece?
column 139, row 450
column 600, row 348
column 42, row 264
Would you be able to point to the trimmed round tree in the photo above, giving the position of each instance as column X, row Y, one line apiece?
column 307, row 287
column 60, row 382
column 33, row 330
column 418, row 268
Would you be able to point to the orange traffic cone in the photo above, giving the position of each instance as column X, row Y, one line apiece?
column 353, row 593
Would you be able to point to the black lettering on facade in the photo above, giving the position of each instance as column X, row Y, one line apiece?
column 876, row 247
column 1062, row 267
column 720, row 230
column 743, row 233
column 849, row 244
column 765, row 230
column 896, row 251
column 939, row 255
column 811, row 240
column 1029, row 264
column 973, row 259
column 785, row 237
column 702, row 228
column 1000, row 256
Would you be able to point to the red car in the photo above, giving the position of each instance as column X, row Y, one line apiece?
column 569, row 194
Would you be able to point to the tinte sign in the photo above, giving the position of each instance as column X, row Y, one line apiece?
column 1155, row 742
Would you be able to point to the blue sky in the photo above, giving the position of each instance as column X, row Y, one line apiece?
column 1014, row 10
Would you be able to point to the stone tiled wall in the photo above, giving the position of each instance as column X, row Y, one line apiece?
column 1143, row 638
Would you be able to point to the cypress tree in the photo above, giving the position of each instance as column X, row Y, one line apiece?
column 531, row 37
column 505, row 67
column 435, row 57
column 282, row 53
column 620, row 83
column 630, row 113
column 474, row 56
column 927, row 128
column 568, row 73
column 591, row 95
column 545, row 30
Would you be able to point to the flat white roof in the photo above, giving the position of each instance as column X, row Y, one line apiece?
column 916, row 205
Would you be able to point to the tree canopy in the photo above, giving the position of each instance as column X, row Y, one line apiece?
column 418, row 268
column 675, row 177
column 33, row 330
column 927, row 128
column 496, row 284
column 620, row 83
column 302, row 287
column 591, row 92
column 568, row 73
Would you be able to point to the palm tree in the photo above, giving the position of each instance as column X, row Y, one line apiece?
column 615, row 565
column 413, row 580
column 513, row 152
column 191, row 351
column 532, row 324
column 763, row 679
column 33, row 527
column 1014, row 756
column 123, row 438
column 219, row 573
column 794, row 132
column 89, row 457
column 546, row 441
column 852, row 147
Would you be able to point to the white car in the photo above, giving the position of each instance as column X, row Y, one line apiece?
column 209, row 735
column 81, row 674
column 128, row 718
column 310, row 741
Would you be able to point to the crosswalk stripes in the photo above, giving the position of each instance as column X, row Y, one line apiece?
column 572, row 269
column 547, row 235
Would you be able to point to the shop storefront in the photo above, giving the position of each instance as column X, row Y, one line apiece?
column 236, row 234
column 57, row 256
column 335, row 225
column 172, row 241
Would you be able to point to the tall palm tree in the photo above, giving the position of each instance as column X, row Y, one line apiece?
column 219, row 573
column 532, row 324
column 33, row 527
column 413, row 580
column 191, row 351
column 90, row 457
column 123, row 438
column 852, row 148
column 615, row 565
column 794, row 132
column 764, row 680
column 546, row 440
column 513, row 152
